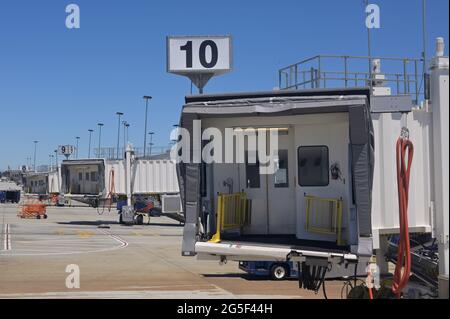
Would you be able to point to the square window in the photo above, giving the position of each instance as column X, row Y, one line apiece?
column 313, row 165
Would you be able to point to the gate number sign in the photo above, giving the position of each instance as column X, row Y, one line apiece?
column 199, row 54
column 65, row 149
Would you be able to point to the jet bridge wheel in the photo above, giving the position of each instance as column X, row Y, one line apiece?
column 279, row 272
column 140, row 219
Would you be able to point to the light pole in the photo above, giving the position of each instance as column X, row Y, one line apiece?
column 150, row 144
column 124, row 136
column 119, row 114
column 78, row 139
column 90, row 137
column 57, row 169
column 51, row 163
column 146, row 98
column 56, row 159
column 127, row 126
column 100, row 125
column 35, row 146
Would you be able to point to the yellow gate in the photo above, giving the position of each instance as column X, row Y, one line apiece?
column 233, row 212
column 324, row 216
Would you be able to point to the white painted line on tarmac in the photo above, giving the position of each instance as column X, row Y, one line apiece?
column 6, row 237
column 116, row 238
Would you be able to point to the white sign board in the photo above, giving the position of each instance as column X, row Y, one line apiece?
column 66, row 150
column 199, row 54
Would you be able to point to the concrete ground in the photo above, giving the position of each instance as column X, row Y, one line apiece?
column 119, row 261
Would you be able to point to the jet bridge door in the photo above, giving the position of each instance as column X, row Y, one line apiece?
column 281, row 187
column 272, row 193
column 322, row 171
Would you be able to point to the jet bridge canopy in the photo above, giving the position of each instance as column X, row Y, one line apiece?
column 353, row 101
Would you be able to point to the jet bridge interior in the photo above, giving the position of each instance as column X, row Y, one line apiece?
column 317, row 202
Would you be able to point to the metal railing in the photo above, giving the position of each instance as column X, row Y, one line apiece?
column 324, row 216
column 403, row 75
column 110, row 153
column 233, row 212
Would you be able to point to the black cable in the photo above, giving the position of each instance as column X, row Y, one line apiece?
column 324, row 290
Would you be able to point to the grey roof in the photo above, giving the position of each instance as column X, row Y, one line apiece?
column 9, row 186
column 268, row 105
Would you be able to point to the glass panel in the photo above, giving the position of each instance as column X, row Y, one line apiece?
column 281, row 169
column 313, row 166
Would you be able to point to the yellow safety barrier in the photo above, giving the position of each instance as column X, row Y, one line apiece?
column 324, row 216
column 233, row 212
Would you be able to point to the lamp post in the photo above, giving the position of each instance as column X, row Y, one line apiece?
column 78, row 139
column 127, row 126
column 57, row 168
column 146, row 98
column 150, row 144
column 119, row 114
column 124, row 123
column 100, row 125
column 90, row 138
column 35, row 147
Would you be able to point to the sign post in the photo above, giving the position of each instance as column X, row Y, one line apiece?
column 199, row 57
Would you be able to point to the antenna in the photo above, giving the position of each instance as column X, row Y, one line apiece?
column 424, row 52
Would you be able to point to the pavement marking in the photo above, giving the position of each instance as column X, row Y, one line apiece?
column 85, row 233
column 152, row 294
column 6, row 237
column 116, row 238
column 29, row 252
column 148, row 294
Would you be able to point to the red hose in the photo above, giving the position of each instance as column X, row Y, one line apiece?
column 369, row 276
column 405, row 151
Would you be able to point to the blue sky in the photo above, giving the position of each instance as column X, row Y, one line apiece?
column 56, row 83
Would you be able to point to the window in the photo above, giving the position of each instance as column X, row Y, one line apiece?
column 80, row 176
column 313, row 166
column 87, row 176
column 93, row 176
column 281, row 173
column 252, row 170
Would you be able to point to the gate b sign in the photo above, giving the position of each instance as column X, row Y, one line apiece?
column 199, row 57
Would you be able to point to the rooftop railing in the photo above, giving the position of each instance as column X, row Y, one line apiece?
column 402, row 75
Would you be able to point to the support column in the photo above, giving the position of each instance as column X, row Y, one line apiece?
column 440, row 108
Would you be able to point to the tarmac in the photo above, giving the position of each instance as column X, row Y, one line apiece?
column 119, row 261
